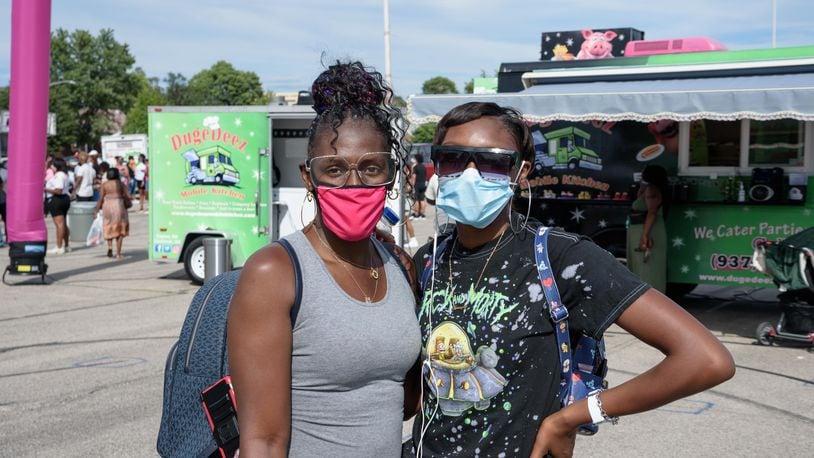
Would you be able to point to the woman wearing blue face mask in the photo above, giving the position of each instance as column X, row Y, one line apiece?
column 488, row 343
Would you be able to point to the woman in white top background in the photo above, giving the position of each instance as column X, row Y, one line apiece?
column 57, row 203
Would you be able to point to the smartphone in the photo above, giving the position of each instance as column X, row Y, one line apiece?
column 221, row 411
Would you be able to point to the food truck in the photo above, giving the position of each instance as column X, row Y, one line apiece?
column 734, row 129
column 124, row 146
column 230, row 172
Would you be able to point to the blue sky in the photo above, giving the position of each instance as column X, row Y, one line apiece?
column 285, row 42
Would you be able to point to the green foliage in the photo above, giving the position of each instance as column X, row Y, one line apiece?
column 222, row 84
column 424, row 133
column 399, row 102
column 4, row 95
column 103, row 81
column 150, row 94
column 439, row 85
column 176, row 89
column 469, row 88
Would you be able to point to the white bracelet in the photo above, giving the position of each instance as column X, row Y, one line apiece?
column 598, row 414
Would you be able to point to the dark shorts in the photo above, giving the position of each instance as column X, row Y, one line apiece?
column 85, row 199
column 58, row 205
column 139, row 184
column 418, row 194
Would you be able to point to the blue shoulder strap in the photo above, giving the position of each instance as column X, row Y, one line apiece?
column 559, row 314
column 430, row 266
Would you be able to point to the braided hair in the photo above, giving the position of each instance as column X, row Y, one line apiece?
column 352, row 91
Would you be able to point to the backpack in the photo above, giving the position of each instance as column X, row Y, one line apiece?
column 199, row 359
column 582, row 373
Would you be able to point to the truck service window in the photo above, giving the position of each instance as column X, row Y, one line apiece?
column 715, row 143
column 776, row 143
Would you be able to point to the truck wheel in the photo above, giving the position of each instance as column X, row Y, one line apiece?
column 764, row 336
column 572, row 164
column 676, row 291
column 194, row 261
column 218, row 179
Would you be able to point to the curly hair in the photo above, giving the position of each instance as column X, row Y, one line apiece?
column 352, row 91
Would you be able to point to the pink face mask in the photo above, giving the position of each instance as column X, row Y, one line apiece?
column 351, row 213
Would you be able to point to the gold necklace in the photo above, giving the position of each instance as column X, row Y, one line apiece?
column 344, row 264
column 454, row 241
column 374, row 273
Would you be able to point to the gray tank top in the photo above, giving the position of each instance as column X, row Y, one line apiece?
column 348, row 363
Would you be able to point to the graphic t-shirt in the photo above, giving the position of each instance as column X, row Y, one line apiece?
column 486, row 327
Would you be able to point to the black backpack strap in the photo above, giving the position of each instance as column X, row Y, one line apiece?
column 440, row 246
column 295, row 308
column 392, row 250
column 557, row 310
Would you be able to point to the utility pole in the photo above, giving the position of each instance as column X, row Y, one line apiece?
column 774, row 23
column 388, row 76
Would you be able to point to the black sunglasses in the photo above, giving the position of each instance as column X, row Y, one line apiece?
column 494, row 163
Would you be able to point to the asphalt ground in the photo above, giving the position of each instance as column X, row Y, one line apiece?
column 82, row 361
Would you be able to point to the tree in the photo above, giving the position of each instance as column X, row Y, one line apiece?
column 4, row 97
column 222, row 84
column 469, row 87
column 176, row 89
column 439, row 85
column 150, row 94
column 424, row 133
column 399, row 102
column 102, row 83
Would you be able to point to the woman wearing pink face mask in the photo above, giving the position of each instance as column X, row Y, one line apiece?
column 329, row 380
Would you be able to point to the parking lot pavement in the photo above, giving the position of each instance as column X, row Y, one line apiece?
column 82, row 362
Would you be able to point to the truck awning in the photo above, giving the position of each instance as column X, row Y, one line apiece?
column 724, row 99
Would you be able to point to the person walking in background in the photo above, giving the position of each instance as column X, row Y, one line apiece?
column 101, row 177
column 4, row 233
column 647, row 233
column 84, row 174
column 57, row 203
column 140, row 179
column 131, row 169
column 419, row 184
column 116, row 223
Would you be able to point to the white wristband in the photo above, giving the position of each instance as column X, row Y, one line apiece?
column 594, row 409
column 598, row 414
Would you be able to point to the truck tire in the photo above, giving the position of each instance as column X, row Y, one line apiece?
column 194, row 261
column 572, row 164
column 676, row 291
column 218, row 179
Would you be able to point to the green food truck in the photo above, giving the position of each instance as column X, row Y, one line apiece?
column 228, row 172
column 734, row 129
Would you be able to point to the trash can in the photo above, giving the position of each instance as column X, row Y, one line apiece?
column 217, row 257
column 79, row 219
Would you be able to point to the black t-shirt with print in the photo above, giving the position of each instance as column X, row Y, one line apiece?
column 491, row 341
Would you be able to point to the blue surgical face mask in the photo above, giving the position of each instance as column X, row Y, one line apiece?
column 472, row 200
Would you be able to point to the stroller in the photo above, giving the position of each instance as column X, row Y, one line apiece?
column 790, row 263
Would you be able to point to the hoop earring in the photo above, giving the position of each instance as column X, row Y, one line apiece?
column 309, row 197
column 523, row 220
column 393, row 194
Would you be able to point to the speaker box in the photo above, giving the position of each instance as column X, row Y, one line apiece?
column 766, row 185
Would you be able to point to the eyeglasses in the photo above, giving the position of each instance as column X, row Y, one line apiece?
column 373, row 169
column 492, row 163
